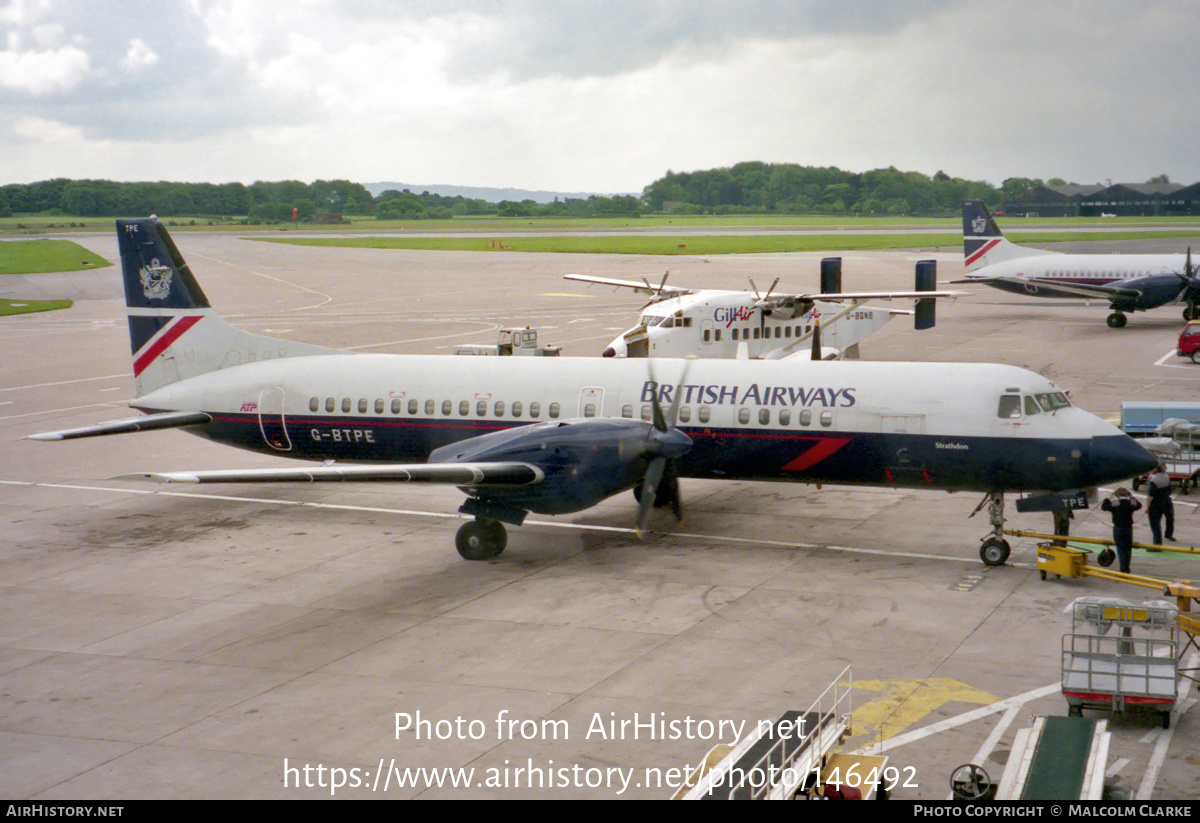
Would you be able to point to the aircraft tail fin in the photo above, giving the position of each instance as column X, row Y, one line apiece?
column 983, row 243
column 174, row 332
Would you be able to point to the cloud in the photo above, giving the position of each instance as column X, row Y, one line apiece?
column 602, row 95
column 138, row 56
column 40, row 71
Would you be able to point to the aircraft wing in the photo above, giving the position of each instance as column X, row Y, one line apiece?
column 1102, row 291
column 454, row 474
column 672, row 291
column 165, row 420
column 878, row 295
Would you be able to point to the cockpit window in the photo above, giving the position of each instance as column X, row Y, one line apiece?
column 1010, row 406
column 1031, row 406
column 1052, row 401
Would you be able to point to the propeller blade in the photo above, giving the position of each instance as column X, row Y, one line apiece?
column 816, row 340
column 654, row 475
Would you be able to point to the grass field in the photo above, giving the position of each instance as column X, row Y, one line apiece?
column 30, row 256
column 703, row 244
column 8, row 307
column 501, row 226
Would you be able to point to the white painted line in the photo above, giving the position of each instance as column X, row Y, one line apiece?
column 616, row 530
column 960, row 720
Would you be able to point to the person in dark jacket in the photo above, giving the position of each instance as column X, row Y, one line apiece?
column 1159, row 505
column 1122, row 505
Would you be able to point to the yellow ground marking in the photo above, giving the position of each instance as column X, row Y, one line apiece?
column 900, row 705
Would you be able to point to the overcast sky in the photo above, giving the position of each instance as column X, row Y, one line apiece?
column 595, row 95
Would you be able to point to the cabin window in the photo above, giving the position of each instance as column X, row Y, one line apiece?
column 756, row 334
column 806, row 417
column 743, row 416
column 646, row 415
column 589, row 410
column 429, row 406
column 535, row 409
column 764, row 417
column 314, row 404
column 785, row 417
column 396, row 406
column 554, row 411
column 516, row 408
column 345, row 404
column 787, row 331
column 498, row 409
column 464, row 407
column 717, row 335
column 481, row 408
column 685, row 414
column 778, row 332
column 734, row 334
column 627, row 411
column 362, row 405
column 330, row 404
column 447, row 407
column 707, row 335
column 1010, row 406
column 827, row 418
column 379, row 405
column 705, row 414
column 412, row 406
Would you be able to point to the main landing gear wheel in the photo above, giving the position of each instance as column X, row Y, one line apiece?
column 971, row 782
column 994, row 551
column 1117, row 320
column 481, row 539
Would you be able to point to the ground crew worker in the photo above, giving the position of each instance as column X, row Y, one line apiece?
column 1122, row 505
column 1159, row 505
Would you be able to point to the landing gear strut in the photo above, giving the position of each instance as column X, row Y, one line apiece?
column 481, row 539
column 995, row 549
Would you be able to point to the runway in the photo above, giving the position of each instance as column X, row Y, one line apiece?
column 275, row 642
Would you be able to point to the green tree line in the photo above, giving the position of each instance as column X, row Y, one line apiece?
column 789, row 188
column 744, row 188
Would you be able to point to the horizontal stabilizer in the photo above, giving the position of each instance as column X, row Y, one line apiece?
column 454, row 474
column 166, row 420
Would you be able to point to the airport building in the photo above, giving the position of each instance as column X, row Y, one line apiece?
column 1119, row 199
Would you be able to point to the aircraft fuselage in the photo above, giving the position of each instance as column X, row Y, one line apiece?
column 971, row 427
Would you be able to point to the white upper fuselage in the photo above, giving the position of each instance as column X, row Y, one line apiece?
column 349, row 398
column 731, row 324
column 1094, row 269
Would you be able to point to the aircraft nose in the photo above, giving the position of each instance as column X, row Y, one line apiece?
column 1117, row 457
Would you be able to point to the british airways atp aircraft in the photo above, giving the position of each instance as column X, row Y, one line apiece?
column 1130, row 282
column 558, row 435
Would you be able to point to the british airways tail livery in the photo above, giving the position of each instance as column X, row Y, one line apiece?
column 1129, row 282
column 558, row 435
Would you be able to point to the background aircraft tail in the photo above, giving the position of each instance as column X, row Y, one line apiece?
column 983, row 244
column 173, row 331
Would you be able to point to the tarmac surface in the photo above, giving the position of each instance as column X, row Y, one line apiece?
column 249, row 641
